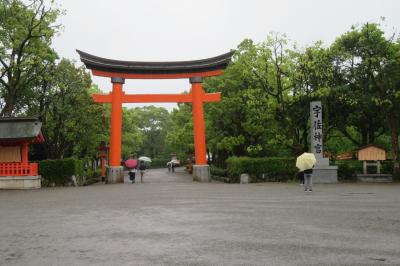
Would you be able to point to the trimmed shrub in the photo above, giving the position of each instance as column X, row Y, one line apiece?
column 219, row 174
column 262, row 169
column 387, row 167
column 216, row 171
column 59, row 172
column 90, row 177
column 348, row 169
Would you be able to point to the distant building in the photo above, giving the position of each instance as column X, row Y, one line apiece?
column 371, row 153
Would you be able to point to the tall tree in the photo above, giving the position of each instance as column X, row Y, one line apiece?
column 179, row 138
column 132, row 137
column 72, row 123
column 26, row 31
column 153, row 123
column 310, row 72
column 358, row 56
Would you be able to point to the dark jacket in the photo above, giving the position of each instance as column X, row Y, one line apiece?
column 308, row 171
column 142, row 166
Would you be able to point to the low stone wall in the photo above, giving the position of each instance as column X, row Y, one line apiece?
column 325, row 174
column 20, row 182
column 375, row 178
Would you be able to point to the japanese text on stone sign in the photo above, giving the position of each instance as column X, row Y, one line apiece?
column 317, row 127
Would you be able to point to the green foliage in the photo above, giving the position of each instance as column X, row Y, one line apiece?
column 348, row 169
column 59, row 172
column 72, row 123
column 132, row 137
column 216, row 171
column 262, row 169
column 159, row 163
column 338, row 143
column 363, row 57
column 154, row 124
column 220, row 174
column 264, row 111
column 179, row 138
column 90, row 177
column 387, row 167
column 26, row 32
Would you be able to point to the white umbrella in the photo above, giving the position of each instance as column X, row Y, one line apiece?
column 145, row 159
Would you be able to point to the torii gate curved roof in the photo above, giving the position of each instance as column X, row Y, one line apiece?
column 175, row 69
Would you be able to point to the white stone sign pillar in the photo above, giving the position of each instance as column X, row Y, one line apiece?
column 323, row 173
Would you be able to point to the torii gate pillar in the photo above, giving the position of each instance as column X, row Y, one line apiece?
column 201, row 170
column 115, row 172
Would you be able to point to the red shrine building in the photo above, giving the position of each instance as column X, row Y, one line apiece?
column 15, row 136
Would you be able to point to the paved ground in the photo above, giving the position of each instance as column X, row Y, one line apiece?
column 169, row 220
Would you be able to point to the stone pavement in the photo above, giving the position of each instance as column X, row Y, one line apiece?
column 170, row 220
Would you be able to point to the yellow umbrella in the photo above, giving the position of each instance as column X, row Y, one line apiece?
column 305, row 161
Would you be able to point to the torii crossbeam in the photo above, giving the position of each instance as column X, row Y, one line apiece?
column 119, row 70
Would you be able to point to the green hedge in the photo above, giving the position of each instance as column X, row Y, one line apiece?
column 348, row 169
column 284, row 169
column 90, row 177
column 216, row 171
column 59, row 172
column 261, row 169
column 219, row 174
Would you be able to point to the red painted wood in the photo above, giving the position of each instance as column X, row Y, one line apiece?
column 156, row 98
column 24, row 155
column 18, row 169
column 116, row 125
column 198, row 124
column 102, row 98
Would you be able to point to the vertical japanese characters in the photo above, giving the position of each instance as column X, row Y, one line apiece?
column 316, row 128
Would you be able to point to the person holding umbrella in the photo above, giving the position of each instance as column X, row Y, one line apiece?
column 142, row 169
column 131, row 165
column 142, row 166
column 305, row 163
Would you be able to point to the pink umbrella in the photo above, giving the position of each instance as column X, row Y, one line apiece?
column 131, row 163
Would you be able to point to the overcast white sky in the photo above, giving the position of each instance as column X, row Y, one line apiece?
column 172, row 30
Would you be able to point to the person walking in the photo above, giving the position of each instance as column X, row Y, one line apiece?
column 308, row 180
column 169, row 165
column 305, row 163
column 132, row 175
column 300, row 176
column 173, row 166
column 142, row 169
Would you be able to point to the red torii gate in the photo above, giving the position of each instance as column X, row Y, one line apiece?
column 118, row 71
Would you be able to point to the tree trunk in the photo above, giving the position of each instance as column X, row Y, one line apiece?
column 364, row 136
column 8, row 107
column 7, row 110
column 394, row 135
